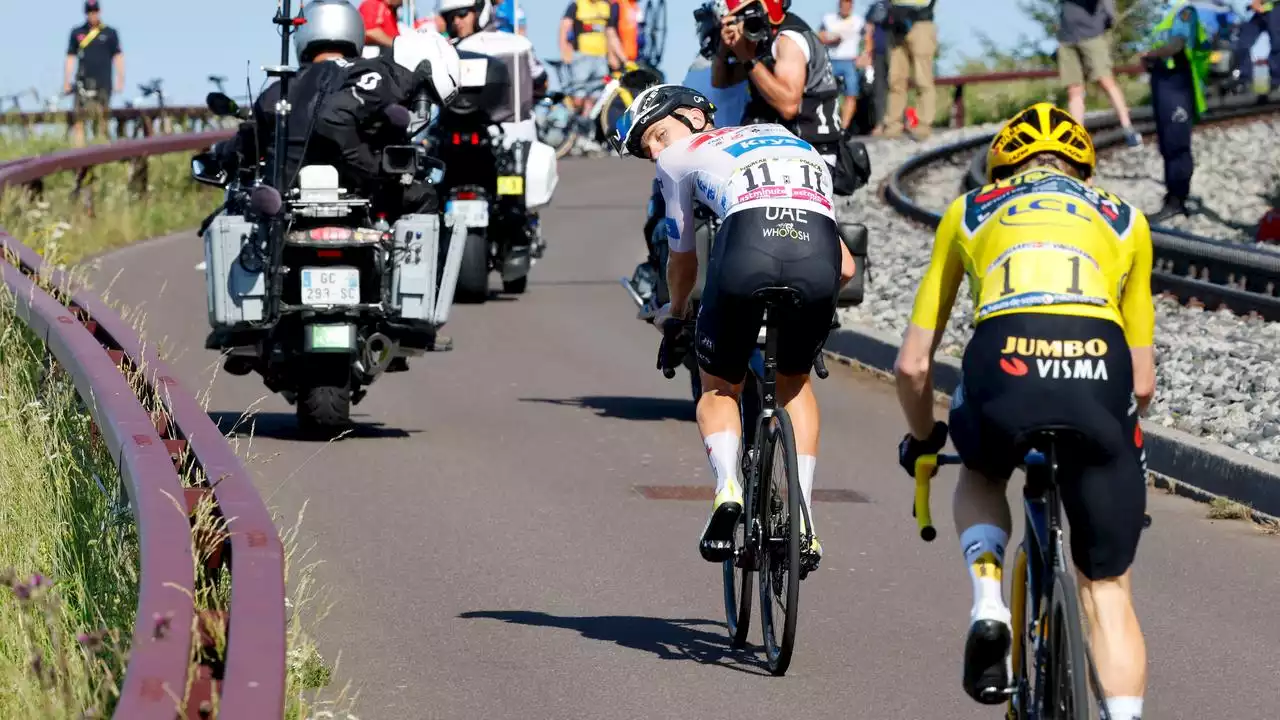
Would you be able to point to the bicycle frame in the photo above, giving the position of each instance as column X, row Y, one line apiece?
column 1042, row 543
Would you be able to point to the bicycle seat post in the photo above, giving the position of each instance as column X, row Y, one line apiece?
column 773, row 299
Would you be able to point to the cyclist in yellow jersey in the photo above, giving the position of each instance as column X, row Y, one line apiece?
column 1059, row 273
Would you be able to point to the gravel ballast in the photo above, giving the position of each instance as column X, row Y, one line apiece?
column 1217, row 374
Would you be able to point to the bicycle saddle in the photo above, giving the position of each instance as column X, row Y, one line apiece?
column 778, row 296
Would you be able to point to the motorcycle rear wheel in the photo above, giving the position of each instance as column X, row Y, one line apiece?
column 473, row 276
column 324, row 397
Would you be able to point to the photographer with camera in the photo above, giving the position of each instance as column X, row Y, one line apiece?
column 788, row 75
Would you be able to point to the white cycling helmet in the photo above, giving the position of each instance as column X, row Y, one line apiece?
column 332, row 25
column 483, row 8
column 432, row 55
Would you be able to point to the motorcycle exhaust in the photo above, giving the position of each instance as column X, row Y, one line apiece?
column 377, row 354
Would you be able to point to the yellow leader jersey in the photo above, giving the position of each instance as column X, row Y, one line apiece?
column 1042, row 242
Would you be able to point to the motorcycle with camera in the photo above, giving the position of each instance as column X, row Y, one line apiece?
column 497, row 179
column 314, row 289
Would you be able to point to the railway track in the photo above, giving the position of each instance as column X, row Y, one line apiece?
column 1195, row 270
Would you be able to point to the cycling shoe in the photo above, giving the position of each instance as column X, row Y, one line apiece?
column 716, row 544
column 986, row 671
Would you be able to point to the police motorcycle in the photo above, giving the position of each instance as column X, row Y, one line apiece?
column 313, row 288
column 499, row 175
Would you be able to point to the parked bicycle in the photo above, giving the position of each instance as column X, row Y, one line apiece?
column 561, row 123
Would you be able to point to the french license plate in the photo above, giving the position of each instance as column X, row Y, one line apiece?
column 472, row 213
column 510, row 185
column 330, row 286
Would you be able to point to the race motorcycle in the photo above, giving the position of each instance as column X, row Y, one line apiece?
column 314, row 290
column 496, row 181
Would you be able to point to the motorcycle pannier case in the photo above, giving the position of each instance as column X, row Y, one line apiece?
column 234, row 294
column 423, row 278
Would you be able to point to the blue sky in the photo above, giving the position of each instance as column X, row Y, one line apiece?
column 185, row 43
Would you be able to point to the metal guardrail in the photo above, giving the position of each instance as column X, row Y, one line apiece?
column 1211, row 272
column 155, row 448
column 127, row 122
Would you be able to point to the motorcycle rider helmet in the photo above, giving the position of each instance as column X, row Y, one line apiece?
column 434, row 59
column 331, row 26
column 1041, row 128
column 775, row 10
column 650, row 106
column 483, row 9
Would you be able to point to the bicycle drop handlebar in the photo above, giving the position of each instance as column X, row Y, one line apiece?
column 926, row 465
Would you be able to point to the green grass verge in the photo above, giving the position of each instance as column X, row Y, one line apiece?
column 68, row 546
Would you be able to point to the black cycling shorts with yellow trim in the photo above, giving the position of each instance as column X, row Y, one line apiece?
column 768, row 247
column 1028, row 371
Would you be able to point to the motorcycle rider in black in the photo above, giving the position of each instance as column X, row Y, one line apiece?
column 339, row 101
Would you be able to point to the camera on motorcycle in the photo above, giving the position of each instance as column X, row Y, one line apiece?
column 222, row 106
column 206, row 169
column 400, row 159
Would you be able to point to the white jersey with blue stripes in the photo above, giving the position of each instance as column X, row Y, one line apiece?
column 736, row 168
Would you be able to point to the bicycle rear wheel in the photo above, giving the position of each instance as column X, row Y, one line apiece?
column 737, row 580
column 778, row 510
column 1068, row 697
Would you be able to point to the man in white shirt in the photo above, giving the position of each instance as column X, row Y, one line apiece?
column 845, row 32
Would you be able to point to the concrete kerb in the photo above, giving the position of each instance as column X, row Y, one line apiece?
column 1190, row 466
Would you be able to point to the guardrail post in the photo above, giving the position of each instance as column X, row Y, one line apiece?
column 957, row 107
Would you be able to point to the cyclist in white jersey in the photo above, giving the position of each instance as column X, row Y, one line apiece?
column 773, row 192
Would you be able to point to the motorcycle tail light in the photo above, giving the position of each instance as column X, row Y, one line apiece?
column 457, row 139
column 329, row 253
column 466, row 195
column 475, row 139
column 330, row 234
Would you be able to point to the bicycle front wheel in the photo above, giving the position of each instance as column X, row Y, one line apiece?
column 1068, row 673
column 778, row 510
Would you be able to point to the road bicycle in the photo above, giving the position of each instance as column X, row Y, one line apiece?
column 768, row 539
column 1062, row 681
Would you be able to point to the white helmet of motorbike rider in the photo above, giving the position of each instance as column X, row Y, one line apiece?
column 454, row 12
column 432, row 56
column 333, row 28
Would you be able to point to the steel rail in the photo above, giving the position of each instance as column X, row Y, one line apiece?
column 1189, row 267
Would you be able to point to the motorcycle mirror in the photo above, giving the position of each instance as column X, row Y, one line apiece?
column 222, row 106
column 205, row 169
column 432, row 169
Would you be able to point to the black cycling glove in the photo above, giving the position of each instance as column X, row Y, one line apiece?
column 677, row 341
column 910, row 449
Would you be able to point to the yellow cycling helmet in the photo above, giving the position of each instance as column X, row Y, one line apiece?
column 1041, row 128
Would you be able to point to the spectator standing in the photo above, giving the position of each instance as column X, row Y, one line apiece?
column 93, row 53
column 877, row 41
column 1265, row 20
column 1178, row 63
column 1084, row 53
column 623, row 32
column 584, row 43
column 913, row 45
column 380, row 25
column 851, row 52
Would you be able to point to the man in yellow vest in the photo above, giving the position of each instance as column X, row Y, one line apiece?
column 584, row 43
column 1178, row 63
column 1265, row 20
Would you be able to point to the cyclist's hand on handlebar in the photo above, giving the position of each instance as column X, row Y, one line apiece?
column 677, row 339
column 910, row 449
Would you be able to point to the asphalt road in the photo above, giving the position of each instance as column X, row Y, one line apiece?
column 491, row 557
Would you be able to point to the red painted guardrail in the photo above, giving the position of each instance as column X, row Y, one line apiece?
column 155, row 448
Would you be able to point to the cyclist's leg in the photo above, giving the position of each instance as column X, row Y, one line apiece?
column 728, row 323
column 1105, row 508
column 811, row 265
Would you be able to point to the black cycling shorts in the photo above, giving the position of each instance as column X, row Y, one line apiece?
column 1030, row 371
column 768, row 247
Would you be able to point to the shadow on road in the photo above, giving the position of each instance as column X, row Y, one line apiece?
column 284, row 426
column 669, row 639
column 627, row 408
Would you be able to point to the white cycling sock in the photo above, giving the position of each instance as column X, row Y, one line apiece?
column 983, row 547
column 722, row 453
column 1124, row 708
column 806, row 464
